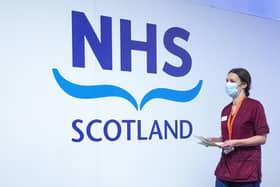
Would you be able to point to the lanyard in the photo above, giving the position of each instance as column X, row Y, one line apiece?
column 232, row 118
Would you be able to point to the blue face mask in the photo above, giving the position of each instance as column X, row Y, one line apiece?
column 232, row 89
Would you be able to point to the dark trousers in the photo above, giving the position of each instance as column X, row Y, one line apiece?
column 221, row 183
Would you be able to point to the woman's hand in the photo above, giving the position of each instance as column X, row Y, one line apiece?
column 230, row 143
column 252, row 141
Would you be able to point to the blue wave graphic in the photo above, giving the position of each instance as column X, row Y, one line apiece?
column 95, row 91
column 100, row 91
column 172, row 95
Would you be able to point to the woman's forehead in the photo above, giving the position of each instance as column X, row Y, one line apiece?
column 232, row 76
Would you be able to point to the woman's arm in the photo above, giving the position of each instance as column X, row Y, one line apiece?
column 252, row 141
column 215, row 139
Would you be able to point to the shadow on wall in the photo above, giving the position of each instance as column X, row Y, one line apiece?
column 267, row 9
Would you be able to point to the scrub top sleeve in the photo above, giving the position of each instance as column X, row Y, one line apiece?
column 261, row 126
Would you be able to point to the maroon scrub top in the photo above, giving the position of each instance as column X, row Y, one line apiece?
column 244, row 163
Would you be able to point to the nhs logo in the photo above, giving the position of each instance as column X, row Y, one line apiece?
column 101, row 46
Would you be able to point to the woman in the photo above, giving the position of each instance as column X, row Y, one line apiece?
column 244, row 128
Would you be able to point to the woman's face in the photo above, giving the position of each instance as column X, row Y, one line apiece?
column 233, row 78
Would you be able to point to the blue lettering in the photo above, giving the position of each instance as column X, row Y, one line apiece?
column 128, row 122
column 106, row 126
column 139, row 131
column 102, row 49
column 155, row 130
column 167, row 127
column 169, row 44
column 112, row 130
column 127, row 44
column 182, row 122
column 79, row 131
column 89, row 134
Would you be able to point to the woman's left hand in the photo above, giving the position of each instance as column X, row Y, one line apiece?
column 230, row 143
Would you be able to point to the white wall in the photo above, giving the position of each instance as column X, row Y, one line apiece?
column 36, row 147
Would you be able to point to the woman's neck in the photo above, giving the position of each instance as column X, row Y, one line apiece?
column 237, row 99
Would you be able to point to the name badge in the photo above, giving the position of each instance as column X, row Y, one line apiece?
column 224, row 118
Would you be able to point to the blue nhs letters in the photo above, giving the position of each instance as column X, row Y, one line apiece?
column 102, row 48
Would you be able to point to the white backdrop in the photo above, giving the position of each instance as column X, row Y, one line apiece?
column 36, row 136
